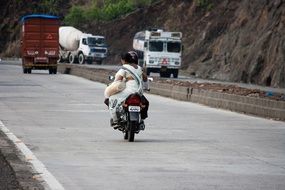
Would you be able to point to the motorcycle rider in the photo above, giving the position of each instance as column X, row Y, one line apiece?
column 133, row 76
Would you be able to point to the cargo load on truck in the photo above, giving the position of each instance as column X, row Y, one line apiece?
column 39, row 43
column 159, row 51
column 69, row 38
column 79, row 47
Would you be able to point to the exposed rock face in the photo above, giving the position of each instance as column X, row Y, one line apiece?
column 240, row 41
column 232, row 40
column 246, row 44
column 9, row 25
column 11, row 12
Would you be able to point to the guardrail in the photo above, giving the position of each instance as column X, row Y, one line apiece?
column 10, row 59
column 249, row 105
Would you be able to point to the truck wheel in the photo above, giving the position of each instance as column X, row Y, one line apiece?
column 25, row 70
column 147, row 72
column 81, row 58
column 165, row 74
column 175, row 73
column 99, row 62
column 29, row 70
column 60, row 60
column 168, row 73
column 54, row 70
column 89, row 61
column 71, row 58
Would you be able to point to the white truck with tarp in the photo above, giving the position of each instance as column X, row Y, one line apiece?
column 78, row 47
column 159, row 51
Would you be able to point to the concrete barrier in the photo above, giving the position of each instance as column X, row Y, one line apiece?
column 11, row 59
column 249, row 105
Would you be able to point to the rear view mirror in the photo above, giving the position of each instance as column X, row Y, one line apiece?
column 145, row 44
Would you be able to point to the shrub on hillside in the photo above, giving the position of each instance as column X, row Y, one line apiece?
column 75, row 16
column 103, row 10
column 205, row 4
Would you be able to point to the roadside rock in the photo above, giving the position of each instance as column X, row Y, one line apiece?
column 223, row 88
column 15, row 173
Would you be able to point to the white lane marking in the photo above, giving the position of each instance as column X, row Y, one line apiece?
column 30, row 157
column 81, row 111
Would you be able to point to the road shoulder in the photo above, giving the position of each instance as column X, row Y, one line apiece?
column 19, row 167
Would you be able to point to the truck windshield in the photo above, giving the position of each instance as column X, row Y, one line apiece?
column 156, row 46
column 96, row 41
column 173, row 47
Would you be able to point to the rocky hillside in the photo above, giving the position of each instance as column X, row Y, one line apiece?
column 237, row 40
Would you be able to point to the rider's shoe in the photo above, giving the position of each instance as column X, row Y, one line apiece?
column 141, row 125
column 114, row 124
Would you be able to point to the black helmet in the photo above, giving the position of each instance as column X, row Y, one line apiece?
column 131, row 57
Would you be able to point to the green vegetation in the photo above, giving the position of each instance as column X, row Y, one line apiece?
column 103, row 10
column 75, row 16
column 52, row 7
column 49, row 6
column 205, row 4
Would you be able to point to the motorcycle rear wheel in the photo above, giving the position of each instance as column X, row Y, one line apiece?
column 131, row 131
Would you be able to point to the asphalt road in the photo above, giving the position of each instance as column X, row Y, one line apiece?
column 63, row 120
column 181, row 77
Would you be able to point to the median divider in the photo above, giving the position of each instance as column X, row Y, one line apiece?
column 249, row 105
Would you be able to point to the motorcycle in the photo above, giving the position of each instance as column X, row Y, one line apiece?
column 131, row 114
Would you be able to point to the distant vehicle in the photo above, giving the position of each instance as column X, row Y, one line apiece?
column 39, row 42
column 79, row 47
column 159, row 51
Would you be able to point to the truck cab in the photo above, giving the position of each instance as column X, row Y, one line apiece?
column 159, row 51
column 92, row 48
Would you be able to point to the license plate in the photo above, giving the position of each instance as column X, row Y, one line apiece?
column 41, row 59
column 134, row 109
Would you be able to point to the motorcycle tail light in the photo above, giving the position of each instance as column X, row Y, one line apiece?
column 133, row 100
